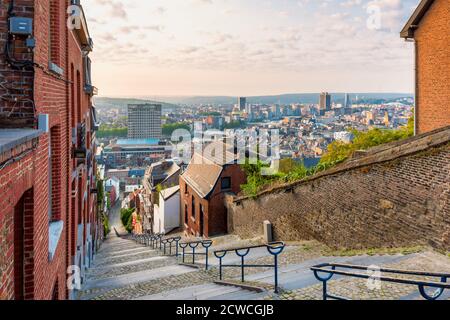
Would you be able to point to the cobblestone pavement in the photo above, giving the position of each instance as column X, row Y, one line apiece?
column 125, row 270
column 103, row 273
column 127, row 258
column 358, row 289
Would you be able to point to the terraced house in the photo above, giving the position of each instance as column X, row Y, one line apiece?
column 211, row 175
column 48, row 220
column 428, row 28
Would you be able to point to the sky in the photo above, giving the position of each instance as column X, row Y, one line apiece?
column 249, row 47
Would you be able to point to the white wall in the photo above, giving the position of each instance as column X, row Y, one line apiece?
column 157, row 217
column 167, row 214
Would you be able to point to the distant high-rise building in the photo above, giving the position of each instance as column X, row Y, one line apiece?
column 242, row 102
column 387, row 119
column 325, row 102
column 297, row 110
column 347, row 101
column 276, row 111
column 144, row 121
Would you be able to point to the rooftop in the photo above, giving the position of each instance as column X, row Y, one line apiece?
column 137, row 142
column 205, row 168
column 414, row 20
column 169, row 192
column 11, row 138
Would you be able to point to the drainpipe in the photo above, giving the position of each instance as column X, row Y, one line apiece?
column 416, row 88
column 416, row 85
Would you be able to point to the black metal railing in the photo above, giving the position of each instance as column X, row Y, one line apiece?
column 194, row 245
column 171, row 246
column 331, row 269
column 158, row 242
column 274, row 248
column 155, row 241
column 169, row 242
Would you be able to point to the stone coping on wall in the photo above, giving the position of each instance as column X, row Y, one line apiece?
column 11, row 138
column 376, row 155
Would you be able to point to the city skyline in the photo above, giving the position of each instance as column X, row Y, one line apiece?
column 210, row 47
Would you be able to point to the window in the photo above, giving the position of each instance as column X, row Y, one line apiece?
column 186, row 214
column 54, row 175
column 87, row 71
column 193, row 209
column 88, row 87
column 78, row 89
column 72, row 96
column 55, row 34
column 50, row 176
column 226, row 183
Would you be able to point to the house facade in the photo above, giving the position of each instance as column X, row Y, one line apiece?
column 158, row 176
column 48, row 222
column 208, row 178
column 166, row 213
column 429, row 28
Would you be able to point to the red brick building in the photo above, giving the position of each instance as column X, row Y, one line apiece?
column 203, row 186
column 48, row 220
column 429, row 28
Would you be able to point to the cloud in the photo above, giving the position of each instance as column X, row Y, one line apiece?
column 307, row 37
column 116, row 9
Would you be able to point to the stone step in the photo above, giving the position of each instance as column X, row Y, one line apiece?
column 124, row 258
column 299, row 276
column 204, row 292
column 123, row 253
column 232, row 258
column 114, row 250
column 137, row 277
column 119, row 246
column 128, row 263
column 239, row 295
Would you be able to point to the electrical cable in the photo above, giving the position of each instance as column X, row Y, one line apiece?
column 22, row 65
column 11, row 9
column 17, row 158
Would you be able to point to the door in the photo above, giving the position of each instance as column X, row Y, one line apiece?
column 202, row 221
column 19, row 250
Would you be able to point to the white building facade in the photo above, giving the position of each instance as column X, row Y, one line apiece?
column 166, row 214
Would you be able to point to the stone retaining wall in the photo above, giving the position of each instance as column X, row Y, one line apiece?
column 398, row 195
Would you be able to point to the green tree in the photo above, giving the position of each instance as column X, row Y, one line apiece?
column 112, row 132
column 337, row 152
column 169, row 128
column 235, row 125
column 126, row 216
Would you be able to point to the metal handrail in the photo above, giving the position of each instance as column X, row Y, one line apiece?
column 274, row 248
column 422, row 285
column 156, row 241
column 170, row 241
column 206, row 244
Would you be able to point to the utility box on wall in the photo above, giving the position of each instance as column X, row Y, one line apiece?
column 21, row 26
column 44, row 123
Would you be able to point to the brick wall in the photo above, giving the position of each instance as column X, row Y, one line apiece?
column 15, row 181
column 16, row 110
column 62, row 97
column 397, row 196
column 433, row 65
column 214, row 210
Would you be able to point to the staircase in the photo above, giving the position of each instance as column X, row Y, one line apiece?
column 210, row 291
column 125, row 266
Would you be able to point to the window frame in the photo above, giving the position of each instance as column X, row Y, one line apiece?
column 222, row 180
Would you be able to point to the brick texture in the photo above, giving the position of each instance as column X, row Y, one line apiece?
column 399, row 202
column 26, row 180
column 214, row 211
column 433, row 64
